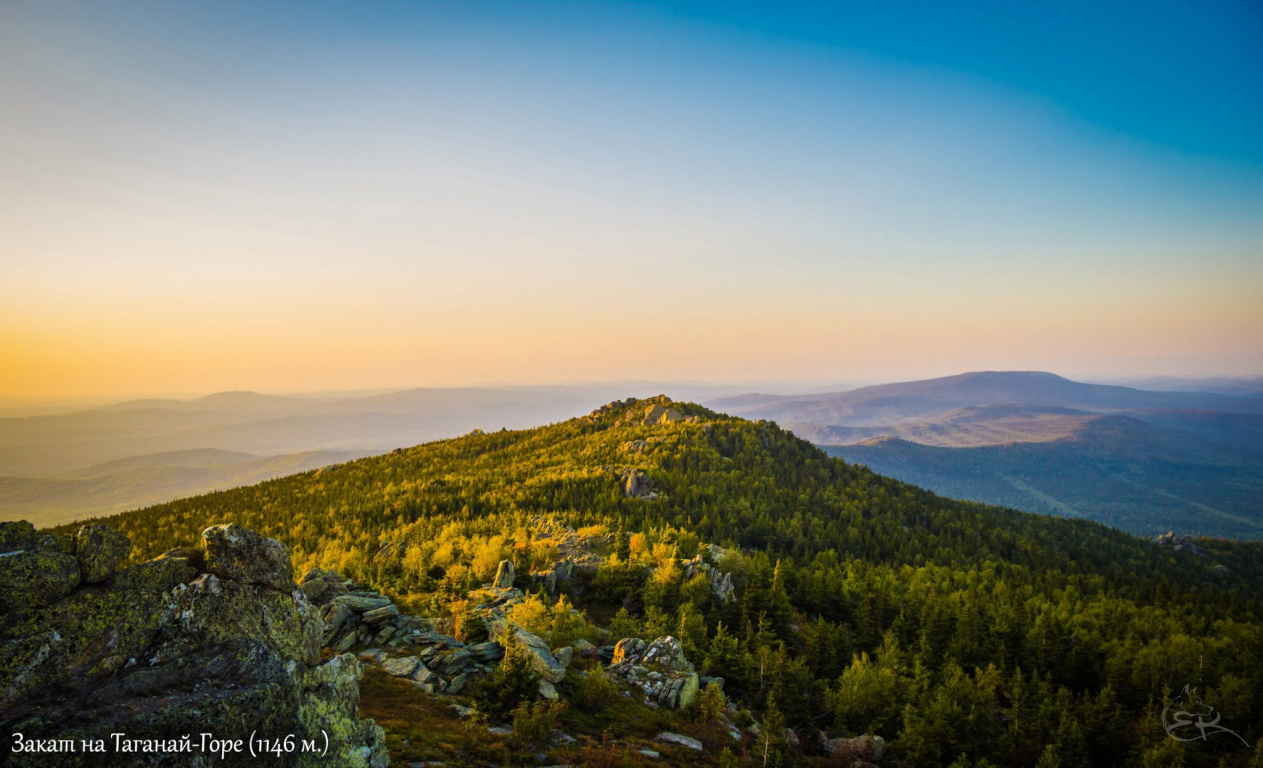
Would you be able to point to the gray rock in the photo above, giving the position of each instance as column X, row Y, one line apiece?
column 548, row 691
column 680, row 739
column 457, row 684
column 542, row 660
column 857, row 745
column 488, row 651
column 401, row 666
column 637, row 485
column 563, row 656
column 337, row 617
column 381, row 615
column 99, row 549
column 314, row 589
column 456, row 661
column 504, row 575
column 237, row 553
column 361, row 603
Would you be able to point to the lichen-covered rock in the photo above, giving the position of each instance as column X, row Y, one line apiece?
column 401, row 667
column 99, row 549
column 36, row 570
column 361, row 603
column 15, row 535
column 236, row 553
column 163, row 649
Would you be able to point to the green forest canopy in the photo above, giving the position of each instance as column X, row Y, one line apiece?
column 965, row 634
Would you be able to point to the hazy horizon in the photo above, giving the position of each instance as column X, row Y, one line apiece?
column 283, row 197
column 45, row 405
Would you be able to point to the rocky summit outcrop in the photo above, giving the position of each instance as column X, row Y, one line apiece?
column 657, row 669
column 191, row 657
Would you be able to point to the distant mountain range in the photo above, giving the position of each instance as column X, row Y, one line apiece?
column 1145, row 461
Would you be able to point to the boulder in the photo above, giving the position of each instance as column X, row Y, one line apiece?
column 680, row 739
column 36, row 576
column 563, row 656
column 628, row 650
column 99, row 549
column 457, row 684
column 542, row 660
column 402, row 666
column 488, row 651
column 314, row 589
column 335, row 619
column 425, row 675
column 16, row 535
column 548, row 691
column 381, row 615
column 236, row 553
column 637, row 484
column 162, row 649
column 504, row 575
column 361, row 603
column 870, row 747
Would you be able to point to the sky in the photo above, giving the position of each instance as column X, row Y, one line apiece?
column 275, row 196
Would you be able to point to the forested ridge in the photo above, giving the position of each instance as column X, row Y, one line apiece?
column 963, row 634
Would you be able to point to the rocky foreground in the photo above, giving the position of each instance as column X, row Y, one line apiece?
column 195, row 657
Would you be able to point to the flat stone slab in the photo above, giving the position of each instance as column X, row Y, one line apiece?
column 400, row 667
column 680, row 739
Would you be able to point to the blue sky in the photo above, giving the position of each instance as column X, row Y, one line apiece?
column 823, row 191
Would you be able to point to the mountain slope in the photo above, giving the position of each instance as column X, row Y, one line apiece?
column 843, row 581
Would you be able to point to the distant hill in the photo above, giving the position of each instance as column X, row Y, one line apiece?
column 1117, row 470
column 1145, row 461
column 123, row 484
column 887, row 404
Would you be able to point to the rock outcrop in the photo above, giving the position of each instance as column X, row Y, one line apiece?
column 504, row 575
column 720, row 582
column 1183, row 543
column 361, row 620
column 658, row 670
column 636, row 485
column 175, row 647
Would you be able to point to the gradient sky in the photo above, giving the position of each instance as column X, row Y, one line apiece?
column 287, row 197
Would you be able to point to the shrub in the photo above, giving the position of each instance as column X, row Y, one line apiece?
column 513, row 682
column 534, row 723
column 594, row 690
